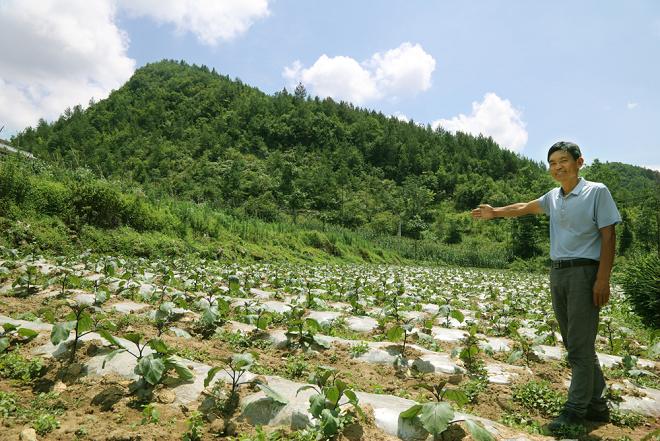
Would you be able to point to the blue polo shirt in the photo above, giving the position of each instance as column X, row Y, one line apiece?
column 576, row 219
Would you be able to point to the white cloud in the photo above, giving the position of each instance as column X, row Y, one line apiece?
column 56, row 54
column 631, row 105
column 401, row 117
column 338, row 77
column 397, row 73
column 209, row 20
column 494, row 117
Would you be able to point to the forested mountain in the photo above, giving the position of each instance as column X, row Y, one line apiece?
column 188, row 132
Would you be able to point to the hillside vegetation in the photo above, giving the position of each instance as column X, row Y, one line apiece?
column 185, row 136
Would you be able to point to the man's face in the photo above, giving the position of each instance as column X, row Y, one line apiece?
column 563, row 167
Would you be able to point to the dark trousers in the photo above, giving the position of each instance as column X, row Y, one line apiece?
column 572, row 301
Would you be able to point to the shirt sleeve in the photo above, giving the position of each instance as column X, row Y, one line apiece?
column 543, row 202
column 605, row 212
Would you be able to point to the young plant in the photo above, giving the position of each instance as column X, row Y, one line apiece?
column 26, row 284
column 359, row 349
column 332, row 394
column 195, row 422
column 12, row 334
column 63, row 277
column 437, row 416
column 82, row 322
column 525, row 348
column 236, row 367
column 354, row 299
column 213, row 316
column 400, row 332
column 152, row 368
column 302, row 330
column 449, row 311
column 469, row 352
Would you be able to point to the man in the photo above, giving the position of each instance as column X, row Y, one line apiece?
column 582, row 242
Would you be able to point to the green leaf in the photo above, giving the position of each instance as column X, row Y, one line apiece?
column 85, row 323
column 27, row 332
column 151, row 369
column 412, row 412
column 458, row 315
column 210, row 375
column 306, row 387
column 8, row 327
column 242, row 362
column 478, row 432
column 456, row 396
column 60, row 332
column 4, row 343
column 329, row 423
column 110, row 338
column 435, row 417
column 332, row 395
column 159, row 346
column 352, row 397
column 395, row 334
column 316, row 405
column 133, row 337
column 323, row 343
column 182, row 371
column 270, row 393
column 312, row 324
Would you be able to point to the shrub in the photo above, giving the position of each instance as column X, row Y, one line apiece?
column 98, row 203
column 49, row 197
column 14, row 366
column 641, row 283
column 539, row 396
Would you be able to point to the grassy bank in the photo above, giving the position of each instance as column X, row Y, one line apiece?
column 56, row 211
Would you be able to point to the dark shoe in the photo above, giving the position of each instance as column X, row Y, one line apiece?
column 599, row 414
column 565, row 418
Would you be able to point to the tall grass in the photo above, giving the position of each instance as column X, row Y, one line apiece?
column 120, row 217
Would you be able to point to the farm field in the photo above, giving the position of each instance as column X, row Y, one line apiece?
column 128, row 349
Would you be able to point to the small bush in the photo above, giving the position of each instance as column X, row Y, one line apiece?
column 539, row 396
column 626, row 419
column 16, row 367
column 45, row 423
column 641, row 283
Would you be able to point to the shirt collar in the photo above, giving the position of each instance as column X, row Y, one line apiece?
column 577, row 189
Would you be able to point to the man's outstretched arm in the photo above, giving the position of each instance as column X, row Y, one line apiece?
column 486, row 212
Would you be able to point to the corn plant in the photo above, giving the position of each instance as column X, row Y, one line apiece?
column 327, row 405
column 12, row 334
column 437, row 416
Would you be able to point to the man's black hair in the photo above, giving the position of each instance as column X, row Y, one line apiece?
column 566, row 146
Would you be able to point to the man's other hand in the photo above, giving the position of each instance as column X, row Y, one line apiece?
column 601, row 292
column 484, row 212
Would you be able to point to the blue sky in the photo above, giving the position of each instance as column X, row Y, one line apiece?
column 528, row 73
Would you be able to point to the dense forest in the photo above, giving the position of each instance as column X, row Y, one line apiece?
column 187, row 133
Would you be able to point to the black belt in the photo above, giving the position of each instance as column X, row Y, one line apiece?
column 558, row 264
